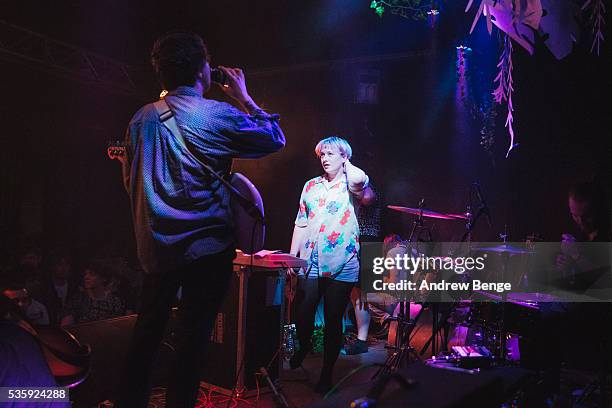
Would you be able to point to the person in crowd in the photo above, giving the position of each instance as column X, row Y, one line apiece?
column 95, row 301
column 30, row 269
column 34, row 311
column 58, row 285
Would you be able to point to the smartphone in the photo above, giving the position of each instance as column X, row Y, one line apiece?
column 218, row 76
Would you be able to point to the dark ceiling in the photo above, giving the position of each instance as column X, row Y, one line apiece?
column 245, row 33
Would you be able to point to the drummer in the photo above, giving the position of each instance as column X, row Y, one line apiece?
column 589, row 212
column 382, row 305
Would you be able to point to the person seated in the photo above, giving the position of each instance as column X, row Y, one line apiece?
column 58, row 285
column 95, row 301
column 34, row 311
column 585, row 267
column 30, row 268
column 382, row 305
column 121, row 285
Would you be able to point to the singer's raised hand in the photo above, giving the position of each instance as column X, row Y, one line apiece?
column 236, row 86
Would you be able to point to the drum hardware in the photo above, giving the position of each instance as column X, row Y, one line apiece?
column 506, row 249
column 492, row 334
column 428, row 213
column 471, row 220
column 402, row 350
column 418, row 225
column 418, row 229
column 436, row 328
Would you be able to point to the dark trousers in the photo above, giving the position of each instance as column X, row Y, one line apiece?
column 336, row 296
column 204, row 284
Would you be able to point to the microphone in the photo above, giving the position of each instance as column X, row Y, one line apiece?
column 218, row 76
column 483, row 204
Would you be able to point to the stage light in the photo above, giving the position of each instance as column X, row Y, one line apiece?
column 462, row 48
column 432, row 16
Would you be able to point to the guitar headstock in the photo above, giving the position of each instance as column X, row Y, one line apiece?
column 115, row 150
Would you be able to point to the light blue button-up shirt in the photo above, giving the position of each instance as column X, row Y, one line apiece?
column 180, row 212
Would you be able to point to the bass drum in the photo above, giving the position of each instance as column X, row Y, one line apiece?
column 460, row 332
column 473, row 324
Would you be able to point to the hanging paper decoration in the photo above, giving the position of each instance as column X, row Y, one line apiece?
column 554, row 21
column 598, row 9
column 559, row 27
column 505, row 87
column 516, row 18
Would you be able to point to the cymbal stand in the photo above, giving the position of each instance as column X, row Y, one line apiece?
column 471, row 222
column 418, row 225
column 402, row 350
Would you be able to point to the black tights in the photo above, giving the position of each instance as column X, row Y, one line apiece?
column 336, row 297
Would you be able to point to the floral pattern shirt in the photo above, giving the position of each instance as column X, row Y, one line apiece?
column 328, row 211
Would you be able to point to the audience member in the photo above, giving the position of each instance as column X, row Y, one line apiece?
column 58, row 287
column 95, row 301
column 34, row 311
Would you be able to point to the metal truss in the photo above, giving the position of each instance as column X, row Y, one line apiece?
column 59, row 58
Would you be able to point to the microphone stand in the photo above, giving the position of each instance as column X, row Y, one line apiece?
column 402, row 350
column 471, row 223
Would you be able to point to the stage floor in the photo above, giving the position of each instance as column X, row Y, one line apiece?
column 298, row 385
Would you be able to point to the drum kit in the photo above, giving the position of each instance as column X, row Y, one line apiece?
column 479, row 321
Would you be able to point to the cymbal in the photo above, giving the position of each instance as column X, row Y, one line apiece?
column 462, row 216
column 427, row 213
column 505, row 248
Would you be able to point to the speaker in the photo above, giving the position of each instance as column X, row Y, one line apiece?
column 246, row 337
column 247, row 331
column 109, row 342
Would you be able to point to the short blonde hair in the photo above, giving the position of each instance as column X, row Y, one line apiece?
column 334, row 141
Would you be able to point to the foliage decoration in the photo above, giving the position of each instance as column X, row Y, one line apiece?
column 413, row 9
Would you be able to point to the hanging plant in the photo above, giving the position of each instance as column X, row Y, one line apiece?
column 317, row 339
column 520, row 21
column 414, row 9
column 488, row 115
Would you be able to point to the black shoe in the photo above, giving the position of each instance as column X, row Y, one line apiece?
column 357, row 347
